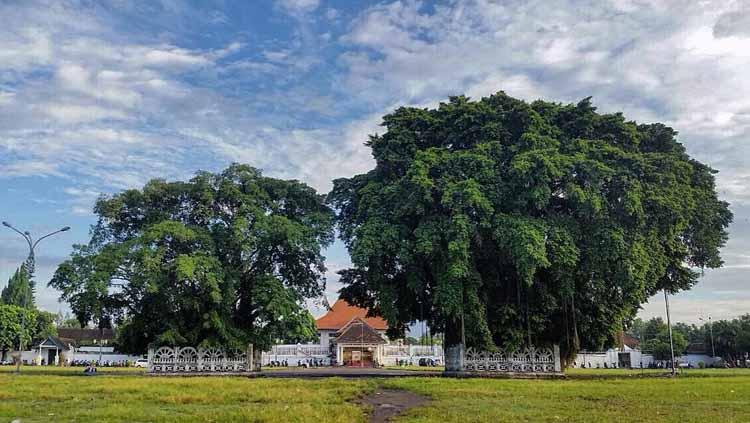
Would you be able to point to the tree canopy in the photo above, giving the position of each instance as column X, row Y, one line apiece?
column 20, row 290
column 731, row 338
column 525, row 222
column 223, row 259
column 655, row 340
column 26, row 322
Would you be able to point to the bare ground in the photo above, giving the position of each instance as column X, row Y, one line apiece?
column 388, row 403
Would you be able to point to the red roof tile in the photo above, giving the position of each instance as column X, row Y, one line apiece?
column 342, row 313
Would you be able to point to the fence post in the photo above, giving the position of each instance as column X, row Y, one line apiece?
column 250, row 367
column 556, row 353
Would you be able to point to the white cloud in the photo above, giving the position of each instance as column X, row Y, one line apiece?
column 299, row 6
column 77, row 113
column 27, row 48
column 637, row 57
column 86, row 99
column 169, row 57
column 82, row 200
column 6, row 97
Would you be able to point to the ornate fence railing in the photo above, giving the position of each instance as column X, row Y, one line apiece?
column 412, row 350
column 300, row 350
column 527, row 360
column 189, row 359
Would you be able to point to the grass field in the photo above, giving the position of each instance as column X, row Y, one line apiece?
column 684, row 399
column 122, row 397
column 588, row 395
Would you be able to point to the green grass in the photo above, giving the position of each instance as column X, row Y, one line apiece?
column 588, row 395
column 43, row 397
column 69, row 371
column 629, row 373
column 624, row 399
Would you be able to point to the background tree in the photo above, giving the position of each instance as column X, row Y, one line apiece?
column 652, row 328
column 659, row 344
column 11, row 328
column 19, row 290
column 44, row 324
column 693, row 333
column 731, row 338
column 410, row 340
column 66, row 321
column 507, row 223
column 224, row 259
column 743, row 335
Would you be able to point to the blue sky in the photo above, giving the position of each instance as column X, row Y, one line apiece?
column 96, row 97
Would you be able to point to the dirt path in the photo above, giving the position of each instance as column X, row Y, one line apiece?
column 388, row 403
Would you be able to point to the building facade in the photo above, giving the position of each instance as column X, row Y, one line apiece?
column 349, row 337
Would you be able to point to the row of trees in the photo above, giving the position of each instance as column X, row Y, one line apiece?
column 499, row 222
column 730, row 339
column 19, row 317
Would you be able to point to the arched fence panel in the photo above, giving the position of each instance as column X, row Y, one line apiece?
column 205, row 360
column 527, row 360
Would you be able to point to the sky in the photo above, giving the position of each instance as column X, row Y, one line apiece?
column 97, row 97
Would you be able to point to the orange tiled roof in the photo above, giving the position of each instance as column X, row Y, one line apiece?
column 342, row 313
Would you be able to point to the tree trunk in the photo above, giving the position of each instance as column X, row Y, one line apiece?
column 454, row 347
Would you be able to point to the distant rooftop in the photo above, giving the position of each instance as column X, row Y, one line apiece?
column 78, row 334
column 342, row 313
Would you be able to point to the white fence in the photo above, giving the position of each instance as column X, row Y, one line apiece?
column 297, row 354
column 411, row 354
column 189, row 359
column 294, row 355
column 528, row 360
column 299, row 350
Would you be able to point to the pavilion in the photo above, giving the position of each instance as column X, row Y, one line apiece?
column 355, row 339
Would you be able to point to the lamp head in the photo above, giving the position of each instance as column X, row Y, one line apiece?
column 65, row 229
column 6, row 224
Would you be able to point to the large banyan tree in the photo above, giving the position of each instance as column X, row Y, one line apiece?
column 503, row 223
column 221, row 260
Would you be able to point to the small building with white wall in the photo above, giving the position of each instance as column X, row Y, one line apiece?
column 349, row 337
column 76, row 346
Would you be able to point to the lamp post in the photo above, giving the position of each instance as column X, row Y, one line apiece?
column 711, row 331
column 669, row 325
column 30, row 266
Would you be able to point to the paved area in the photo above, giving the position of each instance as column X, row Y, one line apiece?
column 354, row 372
column 345, row 372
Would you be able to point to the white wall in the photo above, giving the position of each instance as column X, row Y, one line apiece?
column 694, row 359
column 70, row 356
column 106, row 357
column 611, row 358
column 637, row 358
column 325, row 337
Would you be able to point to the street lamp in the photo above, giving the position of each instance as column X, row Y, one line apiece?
column 30, row 265
column 669, row 326
column 711, row 330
